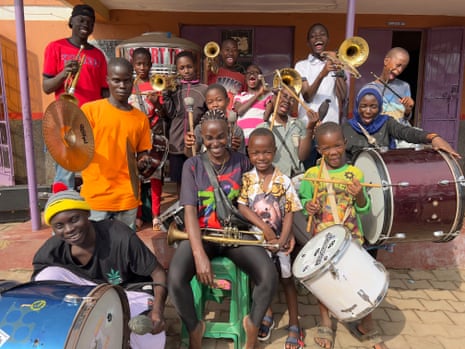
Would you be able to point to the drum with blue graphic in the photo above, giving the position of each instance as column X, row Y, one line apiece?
column 57, row 315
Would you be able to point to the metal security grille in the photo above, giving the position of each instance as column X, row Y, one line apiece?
column 6, row 151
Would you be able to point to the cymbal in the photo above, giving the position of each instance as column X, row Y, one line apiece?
column 68, row 135
column 133, row 170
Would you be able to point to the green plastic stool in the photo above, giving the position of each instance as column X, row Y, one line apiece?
column 239, row 295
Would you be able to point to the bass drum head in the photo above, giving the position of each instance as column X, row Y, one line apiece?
column 102, row 320
column 57, row 315
column 322, row 248
column 378, row 222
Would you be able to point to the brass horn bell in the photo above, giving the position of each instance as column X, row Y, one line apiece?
column 290, row 77
column 211, row 49
column 161, row 82
column 354, row 51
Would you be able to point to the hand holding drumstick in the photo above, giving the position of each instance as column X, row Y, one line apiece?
column 189, row 104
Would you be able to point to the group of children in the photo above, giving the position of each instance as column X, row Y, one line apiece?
column 268, row 198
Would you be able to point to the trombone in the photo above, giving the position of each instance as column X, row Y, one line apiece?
column 352, row 53
column 211, row 50
column 71, row 81
column 229, row 236
column 291, row 80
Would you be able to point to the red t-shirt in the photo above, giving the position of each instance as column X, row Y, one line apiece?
column 233, row 82
column 93, row 74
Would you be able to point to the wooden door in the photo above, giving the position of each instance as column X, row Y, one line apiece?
column 442, row 82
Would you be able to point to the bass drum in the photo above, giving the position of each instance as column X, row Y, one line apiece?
column 421, row 199
column 57, row 315
column 341, row 274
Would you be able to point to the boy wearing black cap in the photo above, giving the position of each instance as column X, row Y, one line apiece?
column 84, row 252
column 61, row 63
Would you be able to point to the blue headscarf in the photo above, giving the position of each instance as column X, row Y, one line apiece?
column 378, row 120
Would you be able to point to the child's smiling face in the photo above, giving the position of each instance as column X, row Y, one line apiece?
column 332, row 146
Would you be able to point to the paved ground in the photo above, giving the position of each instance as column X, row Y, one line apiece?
column 423, row 308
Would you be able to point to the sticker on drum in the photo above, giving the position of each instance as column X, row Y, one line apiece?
column 341, row 274
column 421, row 198
column 59, row 315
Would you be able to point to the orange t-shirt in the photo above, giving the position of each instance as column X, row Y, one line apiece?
column 107, row 185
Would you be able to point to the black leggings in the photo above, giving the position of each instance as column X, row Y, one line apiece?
column 253, row 260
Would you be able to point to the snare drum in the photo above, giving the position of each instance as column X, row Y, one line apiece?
column 57, row 315
column 422, row 198
column 173, row 213
column 341, row 274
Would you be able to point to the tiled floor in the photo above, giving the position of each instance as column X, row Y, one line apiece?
column 422, row 309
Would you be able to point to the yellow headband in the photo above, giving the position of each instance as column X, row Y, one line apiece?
column 65, row 204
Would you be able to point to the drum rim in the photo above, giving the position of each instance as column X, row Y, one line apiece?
column 86, row 308
column 316, row 274
column 456, row 172
column 388, row 196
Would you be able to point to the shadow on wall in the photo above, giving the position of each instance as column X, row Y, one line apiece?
column 13, row 94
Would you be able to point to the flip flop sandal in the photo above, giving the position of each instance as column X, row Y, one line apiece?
column 372, row 336
column 296, row 342
column 324, row 332
column 264, row 332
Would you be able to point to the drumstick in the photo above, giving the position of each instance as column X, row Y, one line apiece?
column 189, row 103
column 315, row 193
column 336, row 181
column 386, row 85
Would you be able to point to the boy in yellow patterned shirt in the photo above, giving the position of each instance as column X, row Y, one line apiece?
column 268, row 200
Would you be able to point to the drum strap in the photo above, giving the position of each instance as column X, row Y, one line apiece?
column 332, row 199
column 331, row 194
column 295, row 165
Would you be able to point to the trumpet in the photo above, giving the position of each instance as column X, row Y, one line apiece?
column 352, row 53
column 211, row 50
column 71, row 82
column 229, row 236
column 161, row 82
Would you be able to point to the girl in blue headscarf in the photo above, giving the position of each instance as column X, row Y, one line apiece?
column 383, row 129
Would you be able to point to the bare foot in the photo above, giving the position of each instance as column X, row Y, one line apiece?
column 195, row 337
column 251, row 333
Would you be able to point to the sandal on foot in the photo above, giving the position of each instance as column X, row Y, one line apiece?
column 371, row 336
column 156, row 224
column 326, row 333
column 292, row 341
column 264, row 332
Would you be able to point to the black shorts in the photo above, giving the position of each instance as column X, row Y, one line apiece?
column 176, row 163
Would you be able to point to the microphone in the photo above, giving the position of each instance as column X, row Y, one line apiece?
column 232, row 119
column 189, row 105
column 141, row 324
column 323, row 109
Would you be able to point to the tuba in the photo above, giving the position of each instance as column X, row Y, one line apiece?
column 352, row 53
column 211, row 50
column 290, row 77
